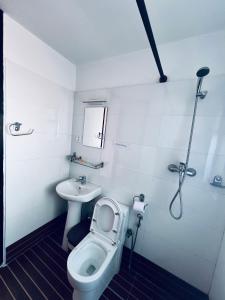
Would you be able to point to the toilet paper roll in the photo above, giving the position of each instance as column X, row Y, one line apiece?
column 139, row 206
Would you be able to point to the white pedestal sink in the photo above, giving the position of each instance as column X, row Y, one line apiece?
column 76, row 194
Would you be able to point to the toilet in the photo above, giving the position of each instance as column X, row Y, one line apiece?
column 92, row 264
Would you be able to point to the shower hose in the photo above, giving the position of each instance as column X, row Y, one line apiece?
column 182, row 171
column 178, row 194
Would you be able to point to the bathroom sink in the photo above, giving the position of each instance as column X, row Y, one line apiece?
column 75, row 191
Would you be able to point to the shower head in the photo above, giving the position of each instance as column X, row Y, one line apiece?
column 201, row 73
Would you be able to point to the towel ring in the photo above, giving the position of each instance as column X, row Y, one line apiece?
column 16, row 127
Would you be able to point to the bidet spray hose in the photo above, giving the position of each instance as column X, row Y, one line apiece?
column 134, row 239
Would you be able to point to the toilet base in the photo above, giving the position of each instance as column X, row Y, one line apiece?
column 91, row 295
column 96, row 293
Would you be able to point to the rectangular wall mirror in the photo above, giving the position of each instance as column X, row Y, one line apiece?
column 94, row 126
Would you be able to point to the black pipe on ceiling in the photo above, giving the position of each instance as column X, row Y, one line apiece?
column 149, row 32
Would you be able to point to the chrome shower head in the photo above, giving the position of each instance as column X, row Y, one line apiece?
column 201, row 73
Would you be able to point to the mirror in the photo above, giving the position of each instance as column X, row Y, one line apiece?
column 94, row 126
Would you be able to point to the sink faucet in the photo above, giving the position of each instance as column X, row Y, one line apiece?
column 82, row 179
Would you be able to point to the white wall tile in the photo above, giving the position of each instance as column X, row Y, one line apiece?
column 185, row 265
column 217, row 291
column 153, row 124
column 35, row 163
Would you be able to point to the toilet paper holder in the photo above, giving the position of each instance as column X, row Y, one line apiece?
column 140, row 198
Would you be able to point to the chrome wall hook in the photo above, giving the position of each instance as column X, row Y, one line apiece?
column 15, row 127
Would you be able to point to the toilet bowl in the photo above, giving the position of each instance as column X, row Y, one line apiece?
column 96, row 259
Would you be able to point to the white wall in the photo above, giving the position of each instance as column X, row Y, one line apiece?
column 217, row 291
column 25, row 49
column 39, row 86
column 179, row 59
column 153, row 122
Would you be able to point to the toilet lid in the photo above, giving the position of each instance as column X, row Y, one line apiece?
column 107, row 219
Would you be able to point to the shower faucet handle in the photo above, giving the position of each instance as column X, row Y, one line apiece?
column 182, row 168
column 218, row 181
column 173, row 168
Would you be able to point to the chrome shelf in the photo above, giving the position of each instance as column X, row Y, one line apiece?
column 78, row 160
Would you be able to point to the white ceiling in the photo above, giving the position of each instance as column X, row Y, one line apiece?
column 86, row 30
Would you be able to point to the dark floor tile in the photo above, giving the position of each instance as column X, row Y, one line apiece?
column 4, row 292
column 127, row 275
column 54, row 253
column 139, row 294
column 117, row 288
column 14, row 286
column 40, row 281
column 123, row 280
column 149, row 288
column 53, row 265
column 57, row 247
column 110, row 294
column 41, row 272
column 57, row 237
column 131, row 297
column 49, row 275
column 32, row 290
column 103, row 297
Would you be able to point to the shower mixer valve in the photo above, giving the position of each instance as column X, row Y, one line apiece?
column 182, row 169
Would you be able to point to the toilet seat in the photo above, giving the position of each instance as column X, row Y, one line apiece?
column 107, row 220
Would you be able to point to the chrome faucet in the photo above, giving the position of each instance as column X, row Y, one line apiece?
column 82, row 179
column 181, row 168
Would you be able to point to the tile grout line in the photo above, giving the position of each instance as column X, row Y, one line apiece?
column 53, row 249
column 32, row 237
column 57, row 244
column 19, row 282
column 32, row 279
column 114, row 292
column 31, row 245
column 44, row 277
column 154, row 285
column 54, row 260
column 51, row 270
column 25, row 250
column 3, row 280
column 123, row 287
column 132, row 285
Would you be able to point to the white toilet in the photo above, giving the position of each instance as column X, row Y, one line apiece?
column 96, row 259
